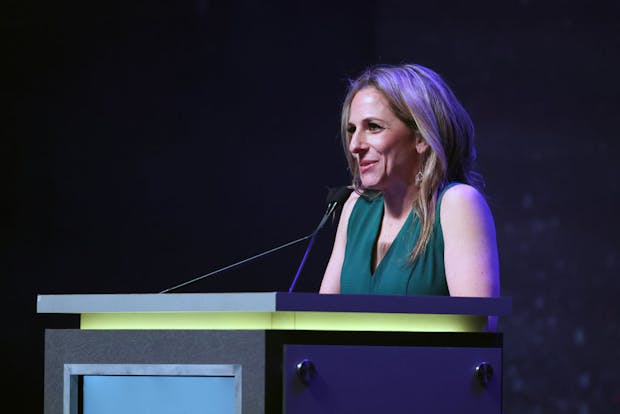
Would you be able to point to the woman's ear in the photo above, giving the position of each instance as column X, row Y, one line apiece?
column 421, row 145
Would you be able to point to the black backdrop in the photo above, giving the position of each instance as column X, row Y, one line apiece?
column 148, row 142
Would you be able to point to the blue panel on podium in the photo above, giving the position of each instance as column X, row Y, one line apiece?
column 124, row 394
column 391, row 379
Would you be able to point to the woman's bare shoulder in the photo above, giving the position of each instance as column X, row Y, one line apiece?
column 463, row 200
column 462, row 193
column 348, row 205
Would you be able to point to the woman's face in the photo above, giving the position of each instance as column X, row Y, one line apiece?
column 386, row 150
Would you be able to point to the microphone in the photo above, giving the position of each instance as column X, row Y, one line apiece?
column 335, row 199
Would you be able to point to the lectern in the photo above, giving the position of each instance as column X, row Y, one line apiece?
column 273, row 353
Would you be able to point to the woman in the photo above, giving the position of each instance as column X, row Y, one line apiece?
column 416, row 222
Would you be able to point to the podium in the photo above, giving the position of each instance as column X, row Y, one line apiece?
column 275, row 353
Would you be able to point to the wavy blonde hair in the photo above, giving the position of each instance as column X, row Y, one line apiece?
column 421, row 99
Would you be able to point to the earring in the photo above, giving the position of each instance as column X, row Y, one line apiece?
column 418, row 178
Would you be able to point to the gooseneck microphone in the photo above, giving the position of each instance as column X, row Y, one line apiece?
column 336, row 198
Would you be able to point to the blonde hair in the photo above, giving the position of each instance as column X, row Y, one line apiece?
column 421, row 99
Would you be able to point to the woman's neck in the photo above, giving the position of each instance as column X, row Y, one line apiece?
column 399, row 201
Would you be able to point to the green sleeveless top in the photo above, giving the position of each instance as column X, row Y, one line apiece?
column 393, row 276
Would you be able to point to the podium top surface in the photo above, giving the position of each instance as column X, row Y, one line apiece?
column 270, row 302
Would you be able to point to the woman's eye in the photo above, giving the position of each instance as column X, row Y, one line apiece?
column 374, row 127
column 351, row 129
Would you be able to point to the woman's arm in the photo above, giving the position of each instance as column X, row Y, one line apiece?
column 470, row 255
column 331, row 279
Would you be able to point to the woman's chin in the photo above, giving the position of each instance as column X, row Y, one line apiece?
column 373, row 186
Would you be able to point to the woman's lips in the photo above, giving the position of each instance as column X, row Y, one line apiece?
column 366, row 165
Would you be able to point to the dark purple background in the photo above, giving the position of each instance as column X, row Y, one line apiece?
column 150, row 142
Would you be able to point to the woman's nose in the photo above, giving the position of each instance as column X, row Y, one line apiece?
column 357, row 142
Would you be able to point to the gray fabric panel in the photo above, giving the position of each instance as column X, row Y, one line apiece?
column 246, row 348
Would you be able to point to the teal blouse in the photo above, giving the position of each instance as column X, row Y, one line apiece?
column 393, row 276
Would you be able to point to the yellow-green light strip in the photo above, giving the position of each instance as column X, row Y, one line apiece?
column 322, row 321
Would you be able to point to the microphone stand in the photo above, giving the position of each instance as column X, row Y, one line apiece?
column 336, row 197
column 330, row 209
column 249, row 259
column 312, row 236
